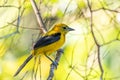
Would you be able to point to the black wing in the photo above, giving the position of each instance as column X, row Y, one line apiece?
column 46, row 40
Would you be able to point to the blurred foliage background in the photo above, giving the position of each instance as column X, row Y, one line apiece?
column 19, row 30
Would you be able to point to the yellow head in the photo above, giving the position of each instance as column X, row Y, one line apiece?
column 62, row 28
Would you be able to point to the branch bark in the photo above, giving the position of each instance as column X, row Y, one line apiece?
column 38, row 16
column 53, row 67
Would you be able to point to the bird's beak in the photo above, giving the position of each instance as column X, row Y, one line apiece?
column 70, row 29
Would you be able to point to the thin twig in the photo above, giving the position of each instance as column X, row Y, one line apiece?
column 116, row 11
column 103, row 8
column 67, row 8
column 98, row 46
column 13, row 33
column 72, row 67
column 38, row 16
column 8, row 6
column 17, row 25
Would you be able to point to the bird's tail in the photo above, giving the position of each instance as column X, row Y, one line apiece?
column 23, row 65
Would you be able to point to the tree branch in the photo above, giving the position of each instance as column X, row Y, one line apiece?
column 53, row 67
column 98, row 46
column 38, row 16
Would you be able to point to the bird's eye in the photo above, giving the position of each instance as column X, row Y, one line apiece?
column 64, row 28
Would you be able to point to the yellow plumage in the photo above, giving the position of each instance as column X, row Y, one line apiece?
column 49, row 43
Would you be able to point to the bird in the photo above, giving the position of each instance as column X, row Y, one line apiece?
column 48, row 43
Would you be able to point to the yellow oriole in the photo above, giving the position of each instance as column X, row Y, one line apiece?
column 48, row 43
